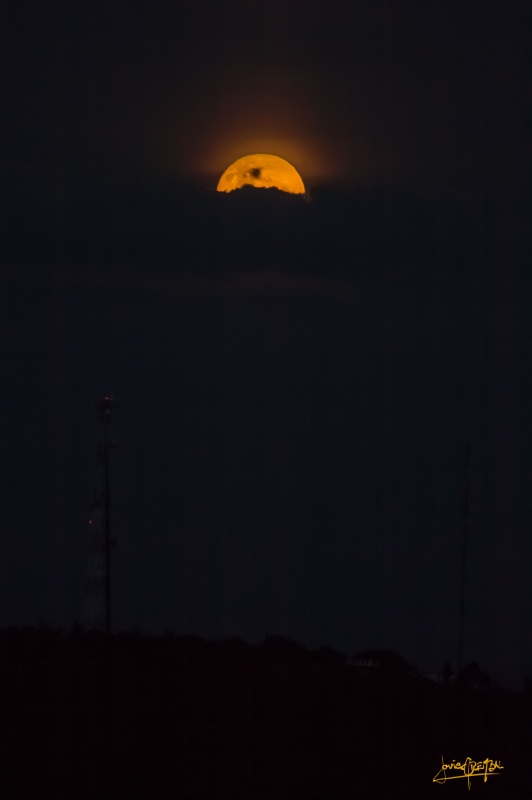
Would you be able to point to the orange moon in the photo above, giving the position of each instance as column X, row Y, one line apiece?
column 262, row 171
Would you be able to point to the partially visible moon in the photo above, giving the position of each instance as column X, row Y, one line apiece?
column 262, row 171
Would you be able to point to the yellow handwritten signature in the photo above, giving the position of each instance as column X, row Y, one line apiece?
column 469, row 768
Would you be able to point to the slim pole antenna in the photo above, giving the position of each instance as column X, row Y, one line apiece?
column 465, row 530
column 106, row 406
column 98, row 594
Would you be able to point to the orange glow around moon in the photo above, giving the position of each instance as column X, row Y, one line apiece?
column 262, row 171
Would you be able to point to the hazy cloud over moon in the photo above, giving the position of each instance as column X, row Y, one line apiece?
column 421, row 93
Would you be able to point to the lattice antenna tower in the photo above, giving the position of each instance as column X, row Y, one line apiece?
column 97, row 610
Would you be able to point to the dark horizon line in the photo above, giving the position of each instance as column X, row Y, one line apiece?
column 387, row 660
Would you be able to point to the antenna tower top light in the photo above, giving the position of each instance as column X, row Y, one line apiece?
column 106, row 406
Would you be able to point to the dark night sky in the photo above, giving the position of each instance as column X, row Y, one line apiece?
column 296, row 382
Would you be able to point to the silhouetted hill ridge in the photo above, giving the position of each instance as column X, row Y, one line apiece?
column 138, row 716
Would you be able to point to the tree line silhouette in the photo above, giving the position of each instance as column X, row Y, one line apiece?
column 132, row 716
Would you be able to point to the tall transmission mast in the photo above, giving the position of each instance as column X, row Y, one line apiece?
column 465, row 530
column 97, row 611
